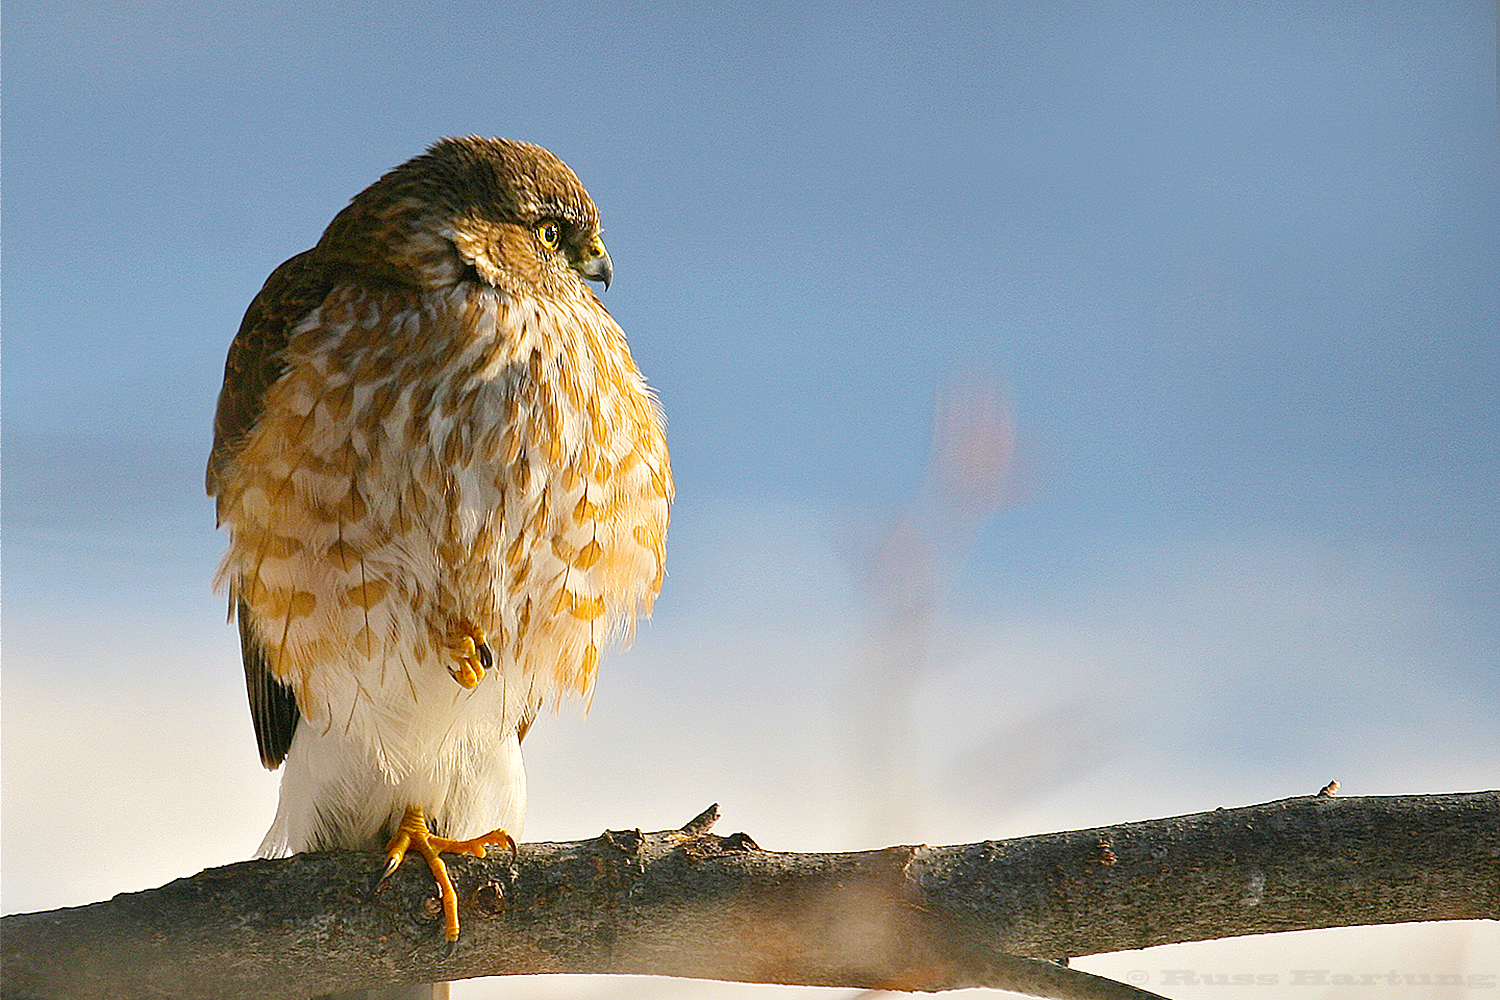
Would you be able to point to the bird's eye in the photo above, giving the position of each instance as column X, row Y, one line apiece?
column 550, row 233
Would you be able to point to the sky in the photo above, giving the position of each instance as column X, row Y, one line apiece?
column 1080, row 412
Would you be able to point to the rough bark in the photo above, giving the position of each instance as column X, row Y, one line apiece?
column 690, row 903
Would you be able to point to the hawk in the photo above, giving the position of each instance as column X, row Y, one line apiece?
column 446, row 489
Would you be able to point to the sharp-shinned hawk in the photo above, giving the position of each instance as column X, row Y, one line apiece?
column 446, row 488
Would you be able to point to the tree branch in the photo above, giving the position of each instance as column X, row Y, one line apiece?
column 690, row 903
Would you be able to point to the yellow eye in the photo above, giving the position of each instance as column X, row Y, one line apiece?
column 550, row 234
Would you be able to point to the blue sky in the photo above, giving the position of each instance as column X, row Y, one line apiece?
column 1235, row 263
column 1227, row 275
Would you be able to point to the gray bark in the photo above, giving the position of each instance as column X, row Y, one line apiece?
column 691, row 903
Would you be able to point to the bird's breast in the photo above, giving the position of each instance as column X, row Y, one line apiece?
column 432, row 462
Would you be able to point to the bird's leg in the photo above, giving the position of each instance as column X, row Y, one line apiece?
column 471, row 648
column 413, row 833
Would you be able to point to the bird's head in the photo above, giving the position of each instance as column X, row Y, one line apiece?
column 508, row 213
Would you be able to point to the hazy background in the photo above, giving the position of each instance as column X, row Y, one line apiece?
column 1080, row 413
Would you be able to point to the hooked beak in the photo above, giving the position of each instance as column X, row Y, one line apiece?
column 596, row 265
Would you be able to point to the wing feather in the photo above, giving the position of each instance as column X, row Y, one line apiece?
column 256, row 360
column 273, row 706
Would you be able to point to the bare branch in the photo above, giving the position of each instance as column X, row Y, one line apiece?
column 691, row 903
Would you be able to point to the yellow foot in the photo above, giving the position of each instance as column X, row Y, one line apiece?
column 413, row 833
column 471, row 649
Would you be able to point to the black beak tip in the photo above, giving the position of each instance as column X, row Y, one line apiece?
column 600, row 269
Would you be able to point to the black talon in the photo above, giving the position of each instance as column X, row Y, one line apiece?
column 380, row 878
column 486, row 658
